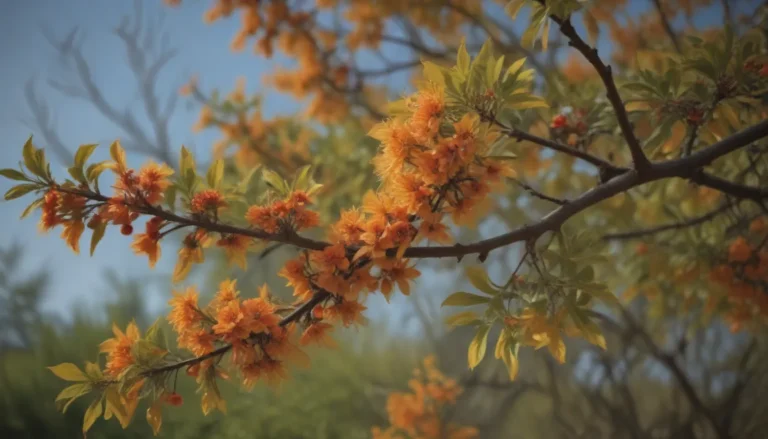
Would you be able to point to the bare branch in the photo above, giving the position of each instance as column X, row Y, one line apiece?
column 639, row 159
column 666, row 227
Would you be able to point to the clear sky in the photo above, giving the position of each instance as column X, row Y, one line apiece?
column 25, row 53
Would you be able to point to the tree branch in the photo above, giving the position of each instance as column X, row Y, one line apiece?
column 641, row 162
column 686, row 167
column 674, row 226
column 667, row 26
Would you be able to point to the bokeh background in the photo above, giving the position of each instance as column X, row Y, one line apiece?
column 69, row 76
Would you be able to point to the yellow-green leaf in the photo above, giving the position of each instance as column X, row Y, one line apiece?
column 479, row 279
column 515, row 67
column 83, row 153
column 275, row 181
column 92, row 414
column 545, row 35
column 20, row 191
column 68, row 372
column 13, row 174
column 115, row 406
column 433, row 73
column 528, row 104
column 215, row 174
column 74, row 391
column 513, row 8
column 509, row 356
column 462, row 319
column 186, row 162
column 98, row 233
column 155, row 415
column 95, row 169
column 462, row 59
column 477, row 346
column 464, row 299
column 35, row 204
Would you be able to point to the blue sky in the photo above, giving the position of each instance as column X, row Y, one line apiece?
column 24, row 53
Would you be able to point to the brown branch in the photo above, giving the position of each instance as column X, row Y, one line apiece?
column 730, row 188
column 666, row 24
column 682, row 379
column 299, row 312
column 673, row 226
column 641, row 162
column 538, row 194
column 686, row 167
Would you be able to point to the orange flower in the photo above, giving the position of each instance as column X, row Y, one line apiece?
column 293, row 271
column 235, row 248
column 318, row 333
column 207, row 201
column 185, row 313
column 149, row 243
column 191, row 252
column 50, row 217
column 199, row 342
column 433, row 229
column 227, row 293
column 425, row 119
column 348, row 312
column 410, row 190
column 264, row 218
column 73, row 229
column 230, row 322
column 305, row 219
column 119, row 349
column 153, row 181
column 331, row 258
column 349, row 227
column 398, row 272
column 258, row 315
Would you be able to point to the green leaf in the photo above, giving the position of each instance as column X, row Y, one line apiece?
column 478, row 345
column 479, row 279
column 77, row 173
column 35, row 204
column 95, row 169
column 462, row 319
column 302, row 179
column 98, row 233
column 68, row 372
column 186, row 162
column 245, row 182
column 83, row 153
column 433, row 73
column 513, row 8
column 170, row 197
column 215, row 174
column 514, row 68
column 92, row 414
column 154, row 334
column 462, row 59
column 74, row 391
column 34, row 159
column 13, row 174
column 20, row 190
column 275, row 181
column 464, row 299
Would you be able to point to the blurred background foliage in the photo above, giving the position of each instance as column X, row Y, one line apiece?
column 666, row 376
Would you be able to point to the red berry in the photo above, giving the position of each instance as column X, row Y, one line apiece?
column 317, row 312
column 581, row 127
column 126, row 229
column 174, row 399
column 763, row 71
column 559, row 121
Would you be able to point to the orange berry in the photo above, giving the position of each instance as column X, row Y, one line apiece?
column 317, row 312
column 739, row 251
column 126, row 229
column 763, row 71
column 641, row 249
